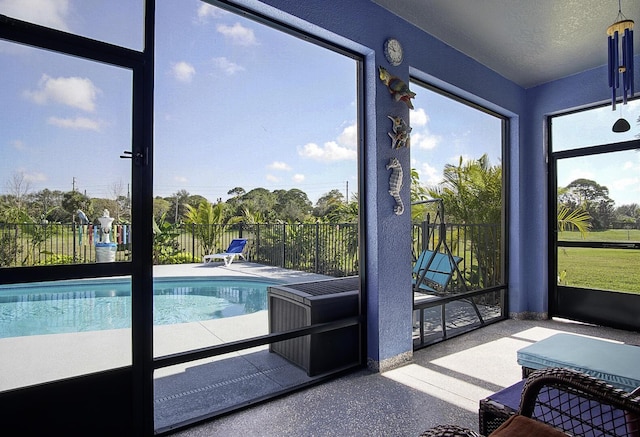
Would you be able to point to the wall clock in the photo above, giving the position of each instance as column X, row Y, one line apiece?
column 393, row 51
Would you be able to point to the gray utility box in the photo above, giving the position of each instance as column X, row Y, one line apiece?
column 300, row 305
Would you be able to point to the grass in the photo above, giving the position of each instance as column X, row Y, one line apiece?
column 617, row 235
column 603, row 269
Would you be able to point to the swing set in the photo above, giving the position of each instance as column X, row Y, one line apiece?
column 433, row 271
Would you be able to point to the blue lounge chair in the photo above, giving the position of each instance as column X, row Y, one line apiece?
column 235, row 249
column 433, row 271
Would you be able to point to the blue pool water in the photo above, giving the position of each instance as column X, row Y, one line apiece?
column 93, row 305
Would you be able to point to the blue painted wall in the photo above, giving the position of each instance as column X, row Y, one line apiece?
column 362, row 27
column 582, row 90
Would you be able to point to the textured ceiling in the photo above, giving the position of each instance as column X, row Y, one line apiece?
column 529, row 42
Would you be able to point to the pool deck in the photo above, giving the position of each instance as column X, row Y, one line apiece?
column 443, row 383
column 42, row 358
column 238, row 269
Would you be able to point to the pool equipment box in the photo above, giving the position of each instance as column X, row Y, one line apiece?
column 300, row 305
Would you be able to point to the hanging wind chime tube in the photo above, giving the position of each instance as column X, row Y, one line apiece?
column 621, row 58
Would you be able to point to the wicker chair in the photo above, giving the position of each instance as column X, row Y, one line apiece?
column 449, row 431
column 574, row 403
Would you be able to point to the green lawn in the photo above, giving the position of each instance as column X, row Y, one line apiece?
column 605, row 269
column 619, row 235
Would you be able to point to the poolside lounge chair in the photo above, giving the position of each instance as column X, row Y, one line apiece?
column 433, row 271
column 236, row 247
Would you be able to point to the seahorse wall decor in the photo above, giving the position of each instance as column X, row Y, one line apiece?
column 395, row 184
column 397, row 87
column 400, row 135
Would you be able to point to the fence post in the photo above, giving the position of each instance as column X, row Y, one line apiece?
column 73, row 238
column 425, row 234
column 193, row 242
column 284, row 244
column 317, row 249
column 257, row 244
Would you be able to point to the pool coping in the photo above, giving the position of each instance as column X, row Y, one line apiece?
column 43, row 358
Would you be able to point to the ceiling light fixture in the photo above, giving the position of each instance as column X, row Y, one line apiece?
column 621, row 57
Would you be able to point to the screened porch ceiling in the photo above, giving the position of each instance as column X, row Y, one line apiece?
column 528, row 42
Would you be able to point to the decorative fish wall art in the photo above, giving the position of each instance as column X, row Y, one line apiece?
column 397, row 87
column 400, row 135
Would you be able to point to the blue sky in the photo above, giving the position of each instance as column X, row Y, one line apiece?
column 443, row 130
column 619, row 172
column 237, row 104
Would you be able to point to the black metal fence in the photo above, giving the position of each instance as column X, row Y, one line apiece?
column 330, row 249
column 29, row 244
column 477, row 245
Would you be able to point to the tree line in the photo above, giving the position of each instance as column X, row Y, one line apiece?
column 20, row 205
column 588, row 197
column 471, row 193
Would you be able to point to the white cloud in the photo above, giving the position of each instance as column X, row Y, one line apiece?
column 424, row 140
column 429, row 176
column 629, row 165
column 298, row 177
column 272, row 178
column 180, row 179
column 227, row 66
column 343, row 149
column 330, row 151
column 77, row 92
column 34, row 177
column 50, row 13
column 349, row 137
column 206, row 10
column 75, row 123
column 238, row 34
column 418, row 118
column 183, row 71
column 279, row 165
column 421, row 137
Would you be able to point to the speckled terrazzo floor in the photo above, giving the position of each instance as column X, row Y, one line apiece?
column 443, row 384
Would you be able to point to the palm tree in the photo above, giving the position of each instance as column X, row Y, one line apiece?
column 472, row 195
column 208, row 224
column 569, row 219
column 471, row 191
column 419, row 193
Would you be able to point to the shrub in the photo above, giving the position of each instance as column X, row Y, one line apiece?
column 55, row 259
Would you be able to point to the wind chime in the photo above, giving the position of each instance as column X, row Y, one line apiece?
column 621, row 64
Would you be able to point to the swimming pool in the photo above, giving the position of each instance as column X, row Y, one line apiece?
column 100, row 304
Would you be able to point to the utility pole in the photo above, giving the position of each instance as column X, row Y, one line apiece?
column 73, row 184
column 347, row 198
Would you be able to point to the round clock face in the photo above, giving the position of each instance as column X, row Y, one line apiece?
column 393, row 51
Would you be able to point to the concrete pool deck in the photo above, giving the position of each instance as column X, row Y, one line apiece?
column 41, row 358
column 443, row 383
